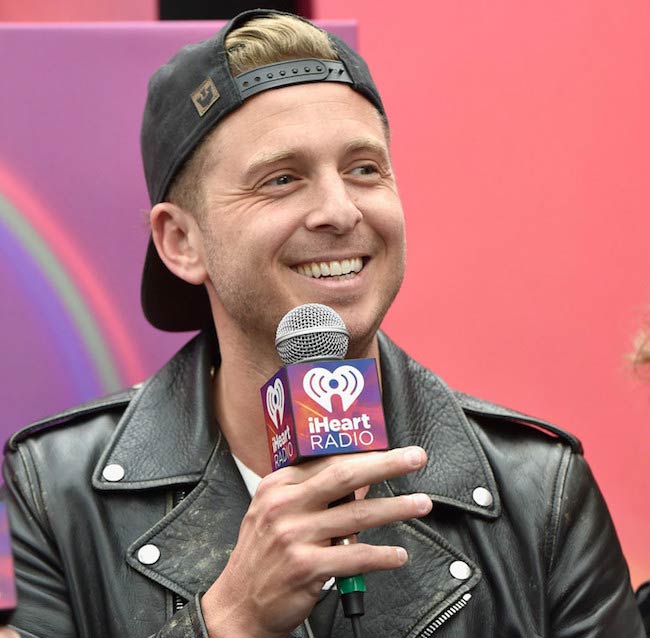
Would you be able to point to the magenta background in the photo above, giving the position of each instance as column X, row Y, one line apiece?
column 72, row 102
column 368, row 402
column 521, row 142
column 7, row 585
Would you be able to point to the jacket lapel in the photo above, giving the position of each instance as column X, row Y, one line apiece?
column 168, row 432
column 196, row 538
column 403, row 602
column 421, row 410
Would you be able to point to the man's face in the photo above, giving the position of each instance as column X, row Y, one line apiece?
column 301, row 206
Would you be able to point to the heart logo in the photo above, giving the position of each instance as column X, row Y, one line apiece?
column 275, row 403
column 321, row 385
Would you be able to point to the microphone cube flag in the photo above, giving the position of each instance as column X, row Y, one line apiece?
column 323, row 408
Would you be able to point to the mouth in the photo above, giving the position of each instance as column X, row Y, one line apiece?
column 336, row 269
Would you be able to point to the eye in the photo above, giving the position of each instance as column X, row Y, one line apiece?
column 365, row 169
column 280, row 180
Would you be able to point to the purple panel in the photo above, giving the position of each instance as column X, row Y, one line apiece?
column 72, row 101
column 7, row 581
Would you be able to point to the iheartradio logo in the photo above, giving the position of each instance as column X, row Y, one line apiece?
column 305, row 419
column 321, row 385
column 275, row 402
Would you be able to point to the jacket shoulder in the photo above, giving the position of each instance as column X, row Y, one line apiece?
column 482, row 408
column 111, row 402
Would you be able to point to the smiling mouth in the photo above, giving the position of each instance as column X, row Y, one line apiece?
column 335, row 269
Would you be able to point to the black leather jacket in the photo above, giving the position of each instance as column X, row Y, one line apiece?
column 533, row 553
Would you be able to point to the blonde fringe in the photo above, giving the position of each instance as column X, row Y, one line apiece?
column 276, row 39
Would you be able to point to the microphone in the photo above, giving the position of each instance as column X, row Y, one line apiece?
column 318, row 405
column 310, row 332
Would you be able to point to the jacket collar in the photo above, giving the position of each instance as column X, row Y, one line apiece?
column 421, row 410
column 168, row 432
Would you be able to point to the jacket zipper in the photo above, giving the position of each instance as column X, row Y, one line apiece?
column 452, row 610
column 178, row 602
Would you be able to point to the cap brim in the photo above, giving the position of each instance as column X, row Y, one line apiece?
column 169, row 303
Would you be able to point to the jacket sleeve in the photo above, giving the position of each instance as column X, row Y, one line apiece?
column 44, row 609
column 589, row 587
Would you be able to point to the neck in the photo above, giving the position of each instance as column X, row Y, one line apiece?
column 238, row 406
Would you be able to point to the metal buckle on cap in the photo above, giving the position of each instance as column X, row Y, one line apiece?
column 272, row 76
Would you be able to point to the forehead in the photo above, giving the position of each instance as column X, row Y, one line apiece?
column 306, row 115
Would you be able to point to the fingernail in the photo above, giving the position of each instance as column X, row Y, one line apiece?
column 414, row 456
column 402, row 555
column 422, row 502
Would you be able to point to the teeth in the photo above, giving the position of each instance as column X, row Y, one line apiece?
column 344, row 268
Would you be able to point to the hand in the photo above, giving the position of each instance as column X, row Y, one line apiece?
column 5, row 632
column 284, row 552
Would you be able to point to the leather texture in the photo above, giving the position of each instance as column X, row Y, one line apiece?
column 540, row 558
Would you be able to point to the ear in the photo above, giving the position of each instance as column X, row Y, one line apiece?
column 178, row 240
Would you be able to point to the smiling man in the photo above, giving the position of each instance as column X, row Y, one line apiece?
column 154, row 512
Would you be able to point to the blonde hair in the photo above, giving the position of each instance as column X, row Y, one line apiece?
column 276, row 38
column 272, row 38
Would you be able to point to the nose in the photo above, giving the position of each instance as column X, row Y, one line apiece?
column 333, row 210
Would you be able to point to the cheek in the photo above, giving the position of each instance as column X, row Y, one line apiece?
column 390, row 225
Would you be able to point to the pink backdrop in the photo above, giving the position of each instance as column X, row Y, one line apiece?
column 522, row 148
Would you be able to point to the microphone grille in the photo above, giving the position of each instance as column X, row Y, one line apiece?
column 311, row 331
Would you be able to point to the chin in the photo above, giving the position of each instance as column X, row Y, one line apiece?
column 362, row 333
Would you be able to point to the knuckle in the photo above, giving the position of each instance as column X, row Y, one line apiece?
column 366, row 555
column 342, row 473
column 286, row 534
column 267, row 508
column 373, row 557
column 301, row 564
column 361, row 511
column 270, row 482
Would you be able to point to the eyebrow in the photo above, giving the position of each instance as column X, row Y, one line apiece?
column 367, row 144
column 262, row 160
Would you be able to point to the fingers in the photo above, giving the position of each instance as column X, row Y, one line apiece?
column 360, row 515
column 310, row 488
column 393, row 462
column 343, row 476
column 360, row 558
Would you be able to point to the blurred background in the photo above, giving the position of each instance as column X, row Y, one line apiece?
column 521, row 143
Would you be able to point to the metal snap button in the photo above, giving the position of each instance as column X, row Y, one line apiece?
column 482, row 497
column 148, row 554
column 113, row 473
column 460, row 570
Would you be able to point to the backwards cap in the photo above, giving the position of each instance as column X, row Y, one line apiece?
column 187, row 98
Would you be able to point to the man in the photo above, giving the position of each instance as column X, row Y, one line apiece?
column 267, row 161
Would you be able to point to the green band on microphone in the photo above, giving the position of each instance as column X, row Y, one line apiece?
column 351, row 584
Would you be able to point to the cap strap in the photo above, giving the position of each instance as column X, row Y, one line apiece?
column 272, row 76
